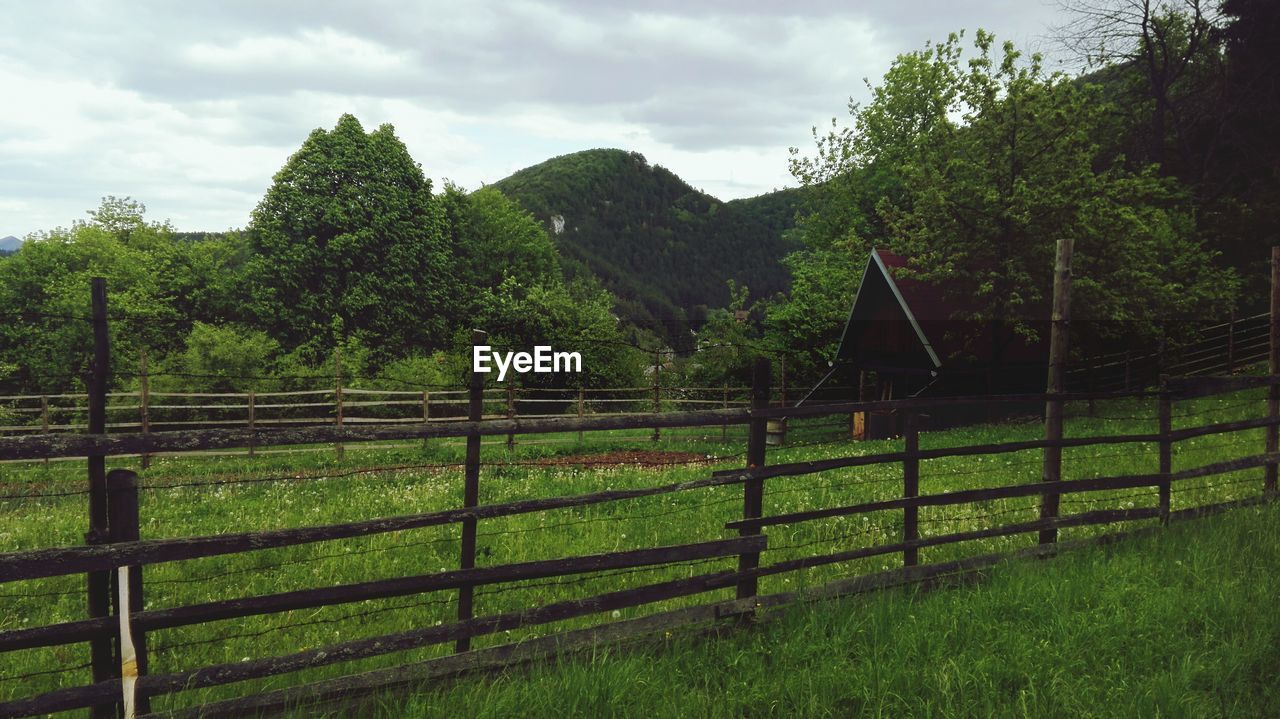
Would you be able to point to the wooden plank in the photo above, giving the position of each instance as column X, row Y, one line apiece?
column 810, row 467
column 1166, row 452
column 36, row 563
column 753, row 488
column 98, row 583
column 1051, row 468
column 911, row 489
column 144, row 403
column 1231, row 465
column 471, row 492
column 1273, row 365
column 220, row 674
column 125, row 524
column 1179, row 435
column 925, row 403
column 962, row 496
column 1104, row 516
column 68, row 632
column 1192, row 387
column 382, row 681
column 39, row 446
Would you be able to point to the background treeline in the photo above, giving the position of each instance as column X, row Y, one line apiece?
column 349, row 250
column 970, row 158
column 664, row 249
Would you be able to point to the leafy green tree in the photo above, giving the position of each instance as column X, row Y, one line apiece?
column 349, row 230
column 806, row 323
column 996, row 159
column 44, row 290
column 493, row 238
column 726, row 344
column 220, row 358
column 571, row 318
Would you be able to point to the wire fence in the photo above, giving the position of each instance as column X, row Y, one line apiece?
column 805, row 490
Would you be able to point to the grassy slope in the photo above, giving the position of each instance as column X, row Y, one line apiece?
column 1181, row 624
column 667, row 519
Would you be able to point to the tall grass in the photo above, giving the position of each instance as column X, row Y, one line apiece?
column 1177, row 624
column 395, row 484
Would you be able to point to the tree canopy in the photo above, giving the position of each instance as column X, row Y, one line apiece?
column 349, row 240
column 983, row 163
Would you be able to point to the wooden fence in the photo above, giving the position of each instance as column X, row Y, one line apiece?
column 116, row 552
column 1219, row 349
column 147, row 412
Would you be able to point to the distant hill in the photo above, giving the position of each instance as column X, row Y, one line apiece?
column 662, row 247
column 9, row 244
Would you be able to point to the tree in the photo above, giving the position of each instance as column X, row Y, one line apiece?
column 1172, row 47
column 348, row 240
column 996, row 160
column 221, row 358
column 44, row 290
column 492, row 238
column 807, row 322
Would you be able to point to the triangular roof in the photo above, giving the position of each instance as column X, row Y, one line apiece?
column 877, row 283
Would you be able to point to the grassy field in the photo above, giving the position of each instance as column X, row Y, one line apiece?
column 203, row 495
column 1178, row 624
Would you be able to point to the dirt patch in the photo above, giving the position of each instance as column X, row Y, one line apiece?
column 621, row 457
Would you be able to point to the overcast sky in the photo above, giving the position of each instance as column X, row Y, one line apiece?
column 192, row 107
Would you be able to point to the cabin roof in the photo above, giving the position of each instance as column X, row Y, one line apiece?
column 878, row 286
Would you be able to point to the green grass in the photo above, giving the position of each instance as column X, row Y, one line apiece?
column 29, row 523
column 1179, row 624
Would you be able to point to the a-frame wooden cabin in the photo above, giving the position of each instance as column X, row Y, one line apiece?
column 903, row 338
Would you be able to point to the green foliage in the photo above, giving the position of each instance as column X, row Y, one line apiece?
column 575, row 318
column 726, row 345
column 44, row 290
column 219, row 358
column 349, row 231
column 807, row 323
column 492, row 238
column 991, row 161
column 640, row 229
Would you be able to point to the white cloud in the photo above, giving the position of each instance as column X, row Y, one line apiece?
column 192, row 107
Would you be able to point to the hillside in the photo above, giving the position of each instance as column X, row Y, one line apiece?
column 662, row 247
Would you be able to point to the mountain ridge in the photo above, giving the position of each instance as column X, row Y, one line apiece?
column 665, row 249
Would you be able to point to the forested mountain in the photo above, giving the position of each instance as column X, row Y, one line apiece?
column 665, row 249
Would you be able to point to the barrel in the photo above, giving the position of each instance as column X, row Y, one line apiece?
column 776, row 432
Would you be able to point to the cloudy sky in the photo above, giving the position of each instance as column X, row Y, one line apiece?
column 192, row 107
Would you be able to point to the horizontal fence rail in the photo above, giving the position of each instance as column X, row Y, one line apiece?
column 745, row 553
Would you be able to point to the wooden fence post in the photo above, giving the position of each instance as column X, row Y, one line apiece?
column 144, row 402
column 724, row 428
column 337, row 397
column 44, row 421
column 911, row 489
column 1053, row 407
column 1231, row 343
column 122, row 488
column 99, row 582
column 657, row 389
column 1166, row 449
column 426, row 412
column 1273, row 392
column 753, row 488
column 582, row 408
column 511, row 414
column 252, row 399
column 471, row 491
column 782, row 362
